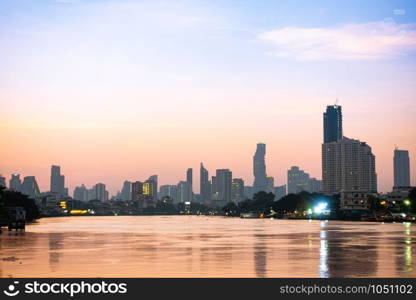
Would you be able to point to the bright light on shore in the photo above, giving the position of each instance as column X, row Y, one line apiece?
column 318, row 209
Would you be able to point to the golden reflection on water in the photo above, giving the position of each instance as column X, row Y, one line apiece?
column 200, row 246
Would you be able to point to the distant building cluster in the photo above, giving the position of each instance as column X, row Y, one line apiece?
column 299, row 181
column 348, row 169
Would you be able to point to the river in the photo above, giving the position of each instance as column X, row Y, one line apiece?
column 202, row 246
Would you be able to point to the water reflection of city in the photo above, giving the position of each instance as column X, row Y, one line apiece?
column 330, row 250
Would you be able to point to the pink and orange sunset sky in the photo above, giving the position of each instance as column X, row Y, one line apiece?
column 121, row 90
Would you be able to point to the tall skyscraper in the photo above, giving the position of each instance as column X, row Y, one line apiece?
column 332, row 123
column 57, row 181
column 126, row 191
column 348, row 165
column 30, row 187
column 205, row 185
column 237, row 190
column 224, row 183
column 401, row 164
column 259, row 169
column 189, row 180
column 15, row 183
column 154, row 179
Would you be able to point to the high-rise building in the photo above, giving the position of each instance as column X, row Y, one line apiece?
column 259, row 169
column 279, row 192
column 2, row 181
column 183, row 191
column 30, row 187
column 401, row 165
column 81, row 193
column 154, row 179
column 205, row 185
column 315, row 185
column 15, row 183
column 189, row 180
column 224, row 182
column 137, row 191
column 149, row 190
column 332, row 123
column 100, row 193
column 214, row 188
column 348, row 165
column 170, row 191
column 125, row 193
column 237, row 190
column 57, row 181
column 299, row 181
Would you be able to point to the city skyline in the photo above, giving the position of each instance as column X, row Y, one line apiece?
column 55, row 172
column 188, row 81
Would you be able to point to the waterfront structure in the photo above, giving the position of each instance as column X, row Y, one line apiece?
column 259, row 169
column 333, row 123
column 81, row 193
column 57, row 181
column 189, row 180
column 355, row 201
column 237, row 190
column 30, row 187
column 125, row 193
column 223, row 182
column 348, row 165
column 205, row 185
column 401, row 164
column 15, row 183
column 2, row 181
column 279, row 192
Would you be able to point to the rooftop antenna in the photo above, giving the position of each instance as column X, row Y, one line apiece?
column 336, row 102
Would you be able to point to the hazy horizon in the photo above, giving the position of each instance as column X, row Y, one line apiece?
column 121, row 90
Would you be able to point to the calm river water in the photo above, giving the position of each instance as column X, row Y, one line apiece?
column 200, row 246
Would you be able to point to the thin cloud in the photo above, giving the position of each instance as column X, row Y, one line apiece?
column 366, row 41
